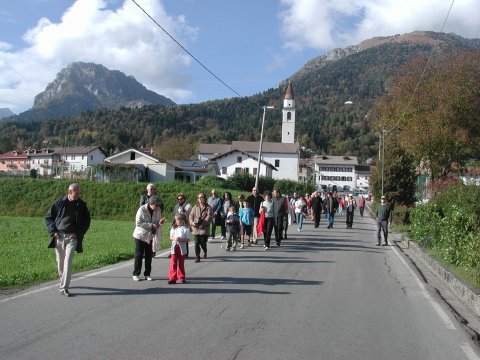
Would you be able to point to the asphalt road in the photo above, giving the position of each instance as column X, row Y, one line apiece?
column 324, row 294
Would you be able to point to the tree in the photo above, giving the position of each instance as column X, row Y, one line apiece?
column 437, row 121
column 398, row 175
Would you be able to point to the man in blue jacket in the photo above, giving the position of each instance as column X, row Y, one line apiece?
column 67, row 222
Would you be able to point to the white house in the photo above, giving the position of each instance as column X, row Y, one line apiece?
column 282, row 157
column 154, row 169
column 54, row 161
column 239, row 156
column 239, row 162
column 193, row 170
column 362, row 175
column 79, row 158
column 335, row 170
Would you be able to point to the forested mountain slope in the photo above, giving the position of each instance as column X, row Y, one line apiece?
column 324, row 122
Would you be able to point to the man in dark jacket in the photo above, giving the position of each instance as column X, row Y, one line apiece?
column 254, row 201
column 67, row 222
column 383, row 215
column 331, row 206
column 279, row 210
column 317, row 206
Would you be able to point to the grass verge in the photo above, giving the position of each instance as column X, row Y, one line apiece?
column 26, row 260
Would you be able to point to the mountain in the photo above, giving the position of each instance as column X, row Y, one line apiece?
column 5, row 112
column 355, row 75
column 86, row 86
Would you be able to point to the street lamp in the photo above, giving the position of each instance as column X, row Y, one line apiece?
column 265, row 107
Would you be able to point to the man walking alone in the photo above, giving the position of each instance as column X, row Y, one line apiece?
column 67, row 222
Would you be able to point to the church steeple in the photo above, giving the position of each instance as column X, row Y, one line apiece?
column 288, row 116
column 289, row 93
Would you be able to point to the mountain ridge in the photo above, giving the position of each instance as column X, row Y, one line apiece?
column 87, row 86
column 357, row 74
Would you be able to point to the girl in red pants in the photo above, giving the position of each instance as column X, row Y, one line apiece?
column 179, row 236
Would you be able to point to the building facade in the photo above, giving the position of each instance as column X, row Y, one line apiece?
column 336, row 171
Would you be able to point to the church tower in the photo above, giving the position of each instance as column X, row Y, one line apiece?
column 288, row 117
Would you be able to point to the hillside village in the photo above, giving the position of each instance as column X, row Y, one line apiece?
column 279, row 160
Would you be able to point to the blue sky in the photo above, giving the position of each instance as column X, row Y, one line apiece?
column 252, row 45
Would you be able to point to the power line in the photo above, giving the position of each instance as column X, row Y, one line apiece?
column 421, row 76
column 184, row 49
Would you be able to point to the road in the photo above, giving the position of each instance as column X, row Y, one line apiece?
column 324, row 294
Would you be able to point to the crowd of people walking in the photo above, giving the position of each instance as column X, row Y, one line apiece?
column 242, row 223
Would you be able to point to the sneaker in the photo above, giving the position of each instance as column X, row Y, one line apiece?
column 241, row 246
column 172, row 282
column 135, row 278
column 228, row 249
column 65, row 292
column 299, row 229
column 223, row 238
column 183, row 281
column 266, row 248
column 148, row 278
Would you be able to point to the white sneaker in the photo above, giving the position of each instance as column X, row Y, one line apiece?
column 241, row 246
column 136, row 278
column 299, row 229
column 148, row 278
column 266, row 248
column 223, row 238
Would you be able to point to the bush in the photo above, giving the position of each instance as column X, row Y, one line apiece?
column 450, row 224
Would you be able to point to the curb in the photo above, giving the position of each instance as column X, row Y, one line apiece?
column 466, row 295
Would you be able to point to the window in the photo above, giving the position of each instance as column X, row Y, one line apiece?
column 289, row 115
column 132, row 156
column 238, row 170
column 73, row 157
column 239, row 159
column 246, row 170
column 91, row 157
column 277, row 163
column 224, row 170
column 254, row 171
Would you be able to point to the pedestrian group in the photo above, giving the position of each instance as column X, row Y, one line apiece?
column 241, row 224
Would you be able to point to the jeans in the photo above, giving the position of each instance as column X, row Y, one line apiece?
column 330, row 218
column 267, row 234
column 382, row 226
column 299, row 217
column 349, row 219
column 278, row 228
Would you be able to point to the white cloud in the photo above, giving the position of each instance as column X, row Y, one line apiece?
column 124, row 39
column 328, row 24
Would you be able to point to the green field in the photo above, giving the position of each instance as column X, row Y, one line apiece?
column 25, row 258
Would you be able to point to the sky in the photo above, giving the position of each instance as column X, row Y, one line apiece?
column 251, row 45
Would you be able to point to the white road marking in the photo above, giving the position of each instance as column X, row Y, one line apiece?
column 48, row 287
column 468, row 350
column 438, row 309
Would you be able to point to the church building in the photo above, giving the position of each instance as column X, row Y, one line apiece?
column 279, row 160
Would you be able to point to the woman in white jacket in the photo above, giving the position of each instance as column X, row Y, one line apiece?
column 148, row 222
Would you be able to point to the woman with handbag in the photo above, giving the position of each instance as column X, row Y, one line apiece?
column 148, row 222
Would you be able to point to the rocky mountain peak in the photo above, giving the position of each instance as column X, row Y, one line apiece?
column 83, row 86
